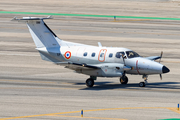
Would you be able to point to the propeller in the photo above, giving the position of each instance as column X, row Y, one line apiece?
column 127, row 67
column 123, row 56
column 160, row 76
column 160, row 56
column 159, row 62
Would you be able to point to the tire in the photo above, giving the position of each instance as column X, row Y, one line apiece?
column 124, row 80
column 142, row 84
column 89, row 82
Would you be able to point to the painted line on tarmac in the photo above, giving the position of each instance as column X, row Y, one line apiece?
column 174, row 110
column 88, row 117
column 61, row 113
column 88, row 15
column 171, row 119
column 32, row 116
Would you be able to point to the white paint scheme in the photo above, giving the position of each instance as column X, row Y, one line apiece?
column 79, row 57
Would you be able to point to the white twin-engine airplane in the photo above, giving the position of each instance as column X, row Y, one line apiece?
column 91, row 60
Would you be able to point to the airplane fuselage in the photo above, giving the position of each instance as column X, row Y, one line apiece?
column 106, row 57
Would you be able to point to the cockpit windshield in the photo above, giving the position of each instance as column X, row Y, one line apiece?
column 132, row 54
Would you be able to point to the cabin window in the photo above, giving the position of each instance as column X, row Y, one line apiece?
column 119, row 54
column 93, row 54
column 110, row 55
column 85, row 54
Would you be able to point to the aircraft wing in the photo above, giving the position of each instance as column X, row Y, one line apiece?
column 153, row 57
column 76, row 66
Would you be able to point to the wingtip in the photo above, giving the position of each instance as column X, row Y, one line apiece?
column 15, row 18
column 50, row 17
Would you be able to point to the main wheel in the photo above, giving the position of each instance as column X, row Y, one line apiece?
column 142, row 84
column 89, row 82
column 123, row 80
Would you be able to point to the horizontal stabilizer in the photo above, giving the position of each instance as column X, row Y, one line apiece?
column 31, row 18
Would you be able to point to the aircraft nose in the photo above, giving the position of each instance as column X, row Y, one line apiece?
column 165, row 69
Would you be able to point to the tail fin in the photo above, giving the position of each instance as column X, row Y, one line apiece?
column 44, row 38
column 42, row 35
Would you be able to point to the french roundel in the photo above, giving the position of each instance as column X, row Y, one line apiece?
column 67, row 54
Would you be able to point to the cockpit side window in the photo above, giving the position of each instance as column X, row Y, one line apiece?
column 119, row 54
column 132, row 54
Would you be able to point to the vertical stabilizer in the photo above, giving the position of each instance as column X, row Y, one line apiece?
column 42, row 35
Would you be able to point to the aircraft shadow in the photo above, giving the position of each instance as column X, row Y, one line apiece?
column 110, row 85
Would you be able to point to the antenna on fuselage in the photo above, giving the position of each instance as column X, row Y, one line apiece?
column 99, row 44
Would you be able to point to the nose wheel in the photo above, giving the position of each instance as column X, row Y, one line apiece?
column 143, row 84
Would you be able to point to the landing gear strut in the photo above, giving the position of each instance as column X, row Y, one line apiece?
column 143, row 84
column 90, row 81
column 123, row 79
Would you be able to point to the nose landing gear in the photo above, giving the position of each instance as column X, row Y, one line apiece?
column 143, row 84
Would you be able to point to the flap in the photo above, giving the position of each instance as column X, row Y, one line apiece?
column 76, row 66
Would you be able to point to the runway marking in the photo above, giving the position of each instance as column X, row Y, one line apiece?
column 106, row 109
column 89, row 117
column 174, row 110
column 31, row 116
column 88, row 15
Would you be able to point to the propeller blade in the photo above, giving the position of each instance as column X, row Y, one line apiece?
column 123, row 59
column 160, row 56
column 160, row 76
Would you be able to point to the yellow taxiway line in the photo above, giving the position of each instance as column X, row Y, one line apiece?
column 61, row 114
column 89, row 117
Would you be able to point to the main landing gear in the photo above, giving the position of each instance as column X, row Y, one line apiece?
column 143, row 84
column 123, row 79
column 90, row 81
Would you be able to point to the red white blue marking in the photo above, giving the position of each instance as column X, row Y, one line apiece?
column 67, row 55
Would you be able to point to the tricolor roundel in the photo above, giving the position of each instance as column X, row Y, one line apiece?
column 67, row 55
